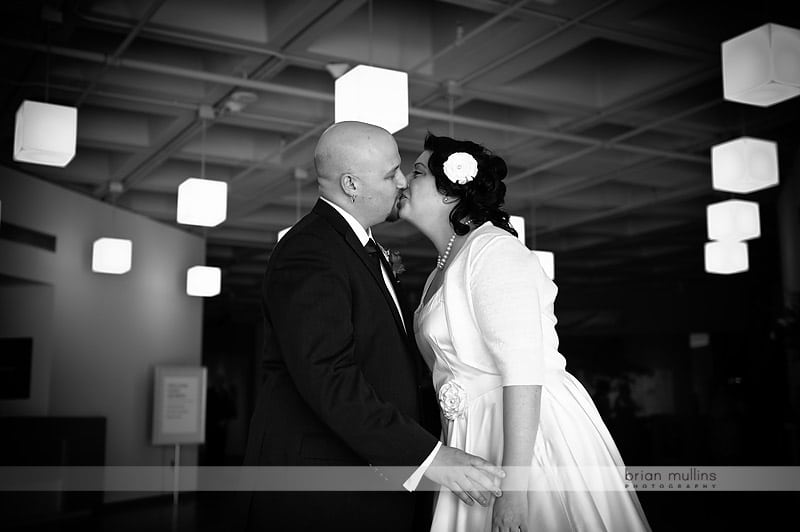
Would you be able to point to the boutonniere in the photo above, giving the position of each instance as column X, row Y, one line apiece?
column 395, row 261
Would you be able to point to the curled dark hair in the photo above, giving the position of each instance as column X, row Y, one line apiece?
column 479, row 200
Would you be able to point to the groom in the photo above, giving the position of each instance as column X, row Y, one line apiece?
column 342, row 377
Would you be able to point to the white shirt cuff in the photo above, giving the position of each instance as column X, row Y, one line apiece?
column 413, row 481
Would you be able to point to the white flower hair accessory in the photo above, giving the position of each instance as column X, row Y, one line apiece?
column 452, row 400
column 460, row 167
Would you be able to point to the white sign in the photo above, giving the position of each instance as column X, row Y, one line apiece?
column 179, row 405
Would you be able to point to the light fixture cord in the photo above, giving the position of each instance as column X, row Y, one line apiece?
column 113, row 201
column 203, row 150
column 369, row 16
column 297, row 199
column 47, row 69
column 203, row 164
column 450, row 125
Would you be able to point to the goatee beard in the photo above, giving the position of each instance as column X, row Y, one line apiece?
column 394, row 214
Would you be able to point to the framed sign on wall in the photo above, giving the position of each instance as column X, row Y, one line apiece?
column 179, row 406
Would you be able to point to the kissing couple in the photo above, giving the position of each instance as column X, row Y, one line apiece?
column 468, row 392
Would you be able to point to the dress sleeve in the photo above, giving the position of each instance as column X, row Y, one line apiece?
column 503, row 282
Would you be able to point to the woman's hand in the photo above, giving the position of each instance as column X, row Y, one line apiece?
column 510, row 512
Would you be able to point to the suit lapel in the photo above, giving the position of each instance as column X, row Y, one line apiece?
column 343, row 228
column 408, row 314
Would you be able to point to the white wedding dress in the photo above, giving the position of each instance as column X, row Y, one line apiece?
column 492, row 324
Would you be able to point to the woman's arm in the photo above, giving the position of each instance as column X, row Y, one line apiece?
column 521, row 407
column 503, row 284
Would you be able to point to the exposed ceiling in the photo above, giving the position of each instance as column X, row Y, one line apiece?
column 605, row 111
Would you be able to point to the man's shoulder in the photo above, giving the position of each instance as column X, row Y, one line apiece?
column 312, row 234
column 315, row 228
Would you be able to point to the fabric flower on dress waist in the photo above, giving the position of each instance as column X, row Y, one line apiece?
column 452, row 400
column 460, row 167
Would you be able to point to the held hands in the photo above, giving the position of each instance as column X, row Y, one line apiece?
column 469, row 477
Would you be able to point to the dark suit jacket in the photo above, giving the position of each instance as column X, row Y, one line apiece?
column 343, row 381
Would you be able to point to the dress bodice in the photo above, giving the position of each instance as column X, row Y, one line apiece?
column 491, row 322
column 435, row 342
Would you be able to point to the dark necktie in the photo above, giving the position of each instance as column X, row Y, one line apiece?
column 377, row 255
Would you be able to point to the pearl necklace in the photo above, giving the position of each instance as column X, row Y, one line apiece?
column 442, row 259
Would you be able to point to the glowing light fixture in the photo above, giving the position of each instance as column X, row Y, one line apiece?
column 726, row 257
column 546, row 258
column 45, row 133
column 111, row 255
column 518, row 223
column 733, row 221
column 202, row 202
column 762, row 66
column 203, row 281
column 378, row 96
column 548, row 262
column 744, row 165
column 283, row 232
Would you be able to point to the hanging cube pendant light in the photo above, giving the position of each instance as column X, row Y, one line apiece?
column 283, row 232
column 202, row 202
column 45, row 133
column 518, row 223
column 762, row 67
column 203, row 281
column 733, row 221
column 377, row 96
column 546, row 258
column 111, row 255
column 726, row 257
column 548, row 262
column 744, row 165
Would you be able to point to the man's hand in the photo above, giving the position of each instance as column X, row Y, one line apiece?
column 470, row 477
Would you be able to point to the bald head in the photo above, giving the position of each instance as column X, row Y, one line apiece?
column 349, row 147
column 358, row 169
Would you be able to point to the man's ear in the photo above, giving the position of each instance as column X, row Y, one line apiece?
column 349, row 184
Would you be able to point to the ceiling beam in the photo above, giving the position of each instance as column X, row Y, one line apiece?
column 656, row 198
column 643, row 40
column 617, row 139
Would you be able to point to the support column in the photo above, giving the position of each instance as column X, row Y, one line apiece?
column 789, row 240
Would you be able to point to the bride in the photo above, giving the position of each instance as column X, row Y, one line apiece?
column 486, row 328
